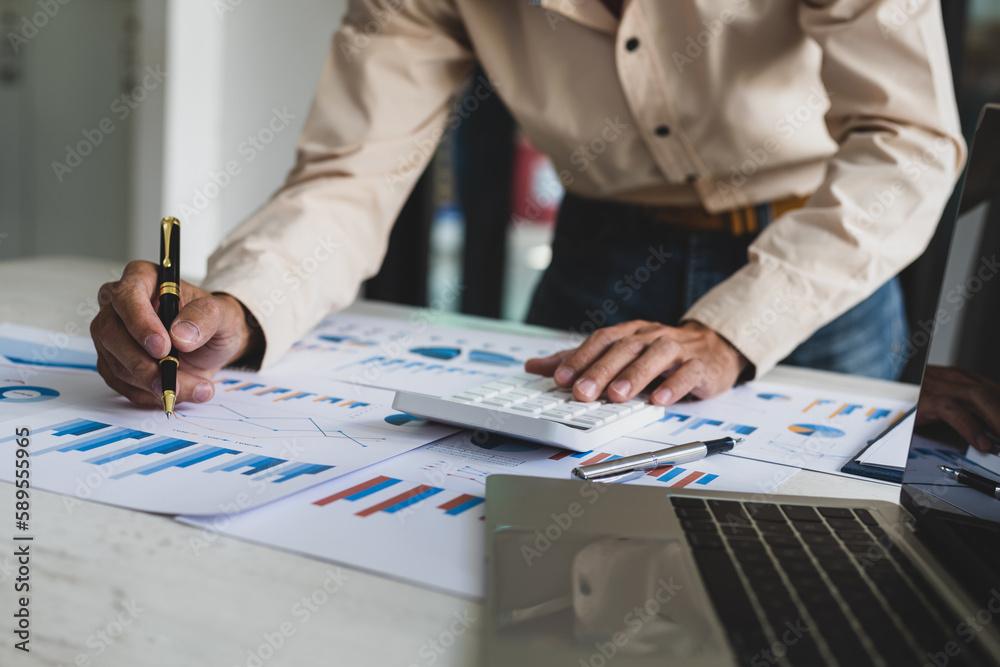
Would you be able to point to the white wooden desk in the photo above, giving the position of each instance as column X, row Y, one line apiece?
column 95, row 567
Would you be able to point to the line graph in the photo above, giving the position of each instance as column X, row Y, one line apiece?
column 226, row 418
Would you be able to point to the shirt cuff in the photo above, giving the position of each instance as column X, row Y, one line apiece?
column 762, row 312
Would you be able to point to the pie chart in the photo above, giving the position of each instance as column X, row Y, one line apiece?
column 27, row 394
column 403, row 419
column 816, row 430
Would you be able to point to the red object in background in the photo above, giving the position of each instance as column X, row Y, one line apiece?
column 536, row 191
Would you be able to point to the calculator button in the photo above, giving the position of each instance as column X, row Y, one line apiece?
column 524, row 391
column 588, row 420
column 482, row 391
column 513, row 381
column 545, row 384
column 528, row 409
column 466, row 398
column 606, row 415
column 542, row 402
column 499, row 386
column 559, row 413
column 498, row 401
column 620, row 409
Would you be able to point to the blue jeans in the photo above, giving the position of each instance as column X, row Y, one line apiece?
column 600, row 252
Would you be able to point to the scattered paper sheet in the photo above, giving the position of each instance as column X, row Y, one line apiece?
column 40, row 348
column 891, row 449
column 260, row 438
column 418, row 517
column 411, row 355
column 790, row 425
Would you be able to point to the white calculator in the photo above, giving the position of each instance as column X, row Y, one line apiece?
column 533, row 408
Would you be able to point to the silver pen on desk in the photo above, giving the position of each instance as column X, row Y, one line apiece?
column 974, row 481
column 618, row 470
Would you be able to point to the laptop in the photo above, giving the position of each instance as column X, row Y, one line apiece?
column 588, row 575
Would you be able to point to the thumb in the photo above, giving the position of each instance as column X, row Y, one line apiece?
column 196, row 323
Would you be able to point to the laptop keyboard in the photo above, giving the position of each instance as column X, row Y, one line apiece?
column 802, row 585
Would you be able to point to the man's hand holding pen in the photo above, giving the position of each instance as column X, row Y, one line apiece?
column 209, row 332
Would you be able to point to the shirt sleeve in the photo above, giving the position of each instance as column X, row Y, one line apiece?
column 379, row 111
column 900, row 150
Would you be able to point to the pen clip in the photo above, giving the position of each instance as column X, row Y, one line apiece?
column 167, row 224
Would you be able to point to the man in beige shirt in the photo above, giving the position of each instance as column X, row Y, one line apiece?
column 830, row 123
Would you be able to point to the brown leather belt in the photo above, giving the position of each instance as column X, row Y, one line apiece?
column 737, row 222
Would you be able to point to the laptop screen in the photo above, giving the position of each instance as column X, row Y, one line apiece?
column 958, row 416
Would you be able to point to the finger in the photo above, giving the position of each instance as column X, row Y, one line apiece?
column 660, row 356
column 985, row 402
column 191, row 388
column 592, row 349
column 680, row 383
column 124, row 356
column 132, row 299
column 196, row 323
column 134, row 394
column 546, row 365
column 606, row 368
column 964, row 422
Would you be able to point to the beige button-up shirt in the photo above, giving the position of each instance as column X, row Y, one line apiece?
column 719, row 103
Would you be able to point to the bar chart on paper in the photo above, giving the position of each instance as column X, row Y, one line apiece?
column 404, row 528
column 265, row 440
column 404, row 496
column 97, row 460
column 782, row 424
column 420, row 515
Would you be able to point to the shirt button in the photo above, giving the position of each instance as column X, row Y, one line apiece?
column 632, row 44
column 662, row 131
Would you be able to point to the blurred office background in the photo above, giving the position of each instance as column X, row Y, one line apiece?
column 162, row 94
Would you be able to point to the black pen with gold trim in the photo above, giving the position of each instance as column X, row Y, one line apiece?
column 170, row 302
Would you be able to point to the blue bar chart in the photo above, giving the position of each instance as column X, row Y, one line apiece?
column 160, row 452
